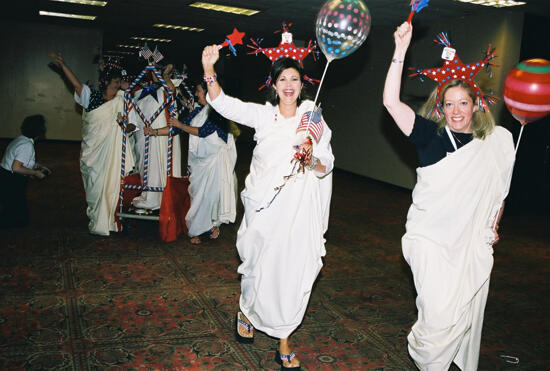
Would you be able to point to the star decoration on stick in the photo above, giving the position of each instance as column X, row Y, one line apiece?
column 235, row 38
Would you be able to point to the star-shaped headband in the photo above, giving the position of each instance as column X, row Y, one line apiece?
column 454, row 69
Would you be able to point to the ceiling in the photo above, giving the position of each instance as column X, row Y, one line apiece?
column 121, row 19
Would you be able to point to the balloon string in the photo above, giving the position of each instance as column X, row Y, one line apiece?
column 519, row 137
column 515, row 155
column 317, row 95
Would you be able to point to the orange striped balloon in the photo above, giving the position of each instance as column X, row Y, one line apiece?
column 527, row 90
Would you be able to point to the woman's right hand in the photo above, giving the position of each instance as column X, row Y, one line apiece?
column 402, row 36
column 57, row 57
column 172, row 121
column 210, row 56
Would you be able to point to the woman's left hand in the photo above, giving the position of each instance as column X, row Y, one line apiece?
column 497, row 237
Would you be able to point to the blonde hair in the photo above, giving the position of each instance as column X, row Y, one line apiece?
column 483, row 122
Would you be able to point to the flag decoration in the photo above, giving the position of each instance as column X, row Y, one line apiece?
column 454, row 69
column 157, row 56
column 315, row 128
column 145, row 52
column 287, row 49
column 235, row 38
column 417, row 6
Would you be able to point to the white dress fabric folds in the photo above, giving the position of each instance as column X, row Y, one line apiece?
column 447, row 245
column 212, row 183
column 100, row 159
column 158, row 150
column 282, row 245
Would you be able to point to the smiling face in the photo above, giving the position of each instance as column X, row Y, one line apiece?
column 288, row 86
column 458, row 107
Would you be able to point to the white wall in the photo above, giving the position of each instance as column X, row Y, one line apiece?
column 31, row 87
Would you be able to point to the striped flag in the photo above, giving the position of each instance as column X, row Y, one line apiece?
column 315, row 126
column 157, row 56
column 145, row 52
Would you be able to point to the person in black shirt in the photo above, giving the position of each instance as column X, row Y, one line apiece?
column 463, row 178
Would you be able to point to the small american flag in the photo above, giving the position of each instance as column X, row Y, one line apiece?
column 145, row 52
column 157, row 56
column 315, row 126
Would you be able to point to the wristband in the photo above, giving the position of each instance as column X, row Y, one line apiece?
column 314, row 161
column 210, row 79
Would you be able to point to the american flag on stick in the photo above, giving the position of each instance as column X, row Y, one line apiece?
column 157, row 56
column 145, row 52
column 315, row 125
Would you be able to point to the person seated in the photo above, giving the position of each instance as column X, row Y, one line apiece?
column 17, row 165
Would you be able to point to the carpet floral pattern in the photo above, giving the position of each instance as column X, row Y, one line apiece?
column 74, row 301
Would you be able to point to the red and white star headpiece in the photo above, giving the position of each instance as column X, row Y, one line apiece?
column 454, row 69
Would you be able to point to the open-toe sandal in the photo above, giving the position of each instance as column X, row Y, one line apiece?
column 280, row 358
column 214, row 233
column 246, row 333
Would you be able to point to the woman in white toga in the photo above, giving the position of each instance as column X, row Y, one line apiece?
column 463, row 178
column 280, row 240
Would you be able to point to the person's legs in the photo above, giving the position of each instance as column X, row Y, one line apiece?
column 15, row 212
column 288, row 359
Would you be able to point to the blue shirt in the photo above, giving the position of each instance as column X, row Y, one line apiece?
column 207, row 128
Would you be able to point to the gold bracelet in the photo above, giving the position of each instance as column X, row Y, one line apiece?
column 156, row 132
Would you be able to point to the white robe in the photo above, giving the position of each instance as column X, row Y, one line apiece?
column 282, row 245
column 213, row 183
column 100, row 159
column 158, row 150
column 449, row 227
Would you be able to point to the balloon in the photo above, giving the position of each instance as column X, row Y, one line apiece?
column 341, row 27
column 527, row 90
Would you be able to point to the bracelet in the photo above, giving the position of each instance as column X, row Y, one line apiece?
column 314, row 161
column 210, row 79
column 395, row 60
column 156, row 132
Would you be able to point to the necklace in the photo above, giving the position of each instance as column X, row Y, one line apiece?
column 459, row 141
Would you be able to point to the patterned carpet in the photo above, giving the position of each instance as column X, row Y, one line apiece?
column 73, row 301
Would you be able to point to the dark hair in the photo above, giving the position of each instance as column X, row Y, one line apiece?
column 106, row 76
column 33, row 126
column 277, row 68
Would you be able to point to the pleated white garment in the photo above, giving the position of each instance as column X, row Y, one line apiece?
column 281, row 246
column 100, row 159
column 158, row 150
column 449, row 227
column 213, row 183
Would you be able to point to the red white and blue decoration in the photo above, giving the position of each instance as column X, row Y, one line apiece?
column 417, row 6
column 341, row 27
column 454, row 69
column 235, row 38
column 286, row 48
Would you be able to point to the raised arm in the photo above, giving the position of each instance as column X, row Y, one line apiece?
column 67, row 71
column 210, row 56
column 401, row 113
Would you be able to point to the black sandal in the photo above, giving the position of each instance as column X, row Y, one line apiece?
column 240, row 322
column 279, row 358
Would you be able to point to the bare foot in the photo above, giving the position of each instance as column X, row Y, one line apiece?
column 214, row 233
column 243, row 330
column 284, row 348
column 195, row 240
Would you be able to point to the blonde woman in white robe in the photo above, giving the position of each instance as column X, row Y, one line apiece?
column 211, row 160
column 101, row 149
column 463, row 178
column 280, row 240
